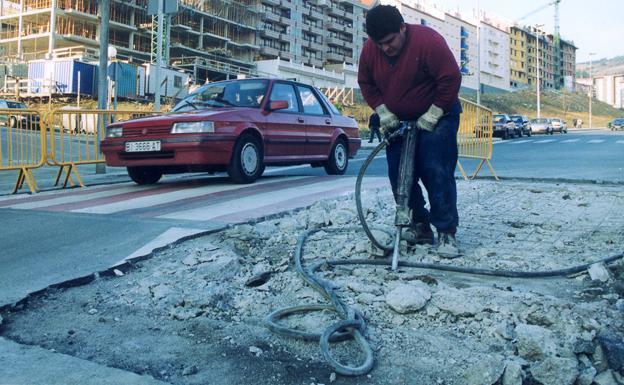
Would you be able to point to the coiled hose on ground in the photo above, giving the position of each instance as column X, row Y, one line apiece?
column 352, row 325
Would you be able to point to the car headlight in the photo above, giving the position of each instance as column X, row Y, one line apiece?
column 192, row 127
column 114, row 132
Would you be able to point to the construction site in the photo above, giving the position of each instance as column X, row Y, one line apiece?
column 203, row 41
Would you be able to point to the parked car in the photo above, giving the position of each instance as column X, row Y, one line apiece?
column 239, row 126
column 559, row 125
column 503, row 126
column 523, row 125
column 541, row 126
column 617, row 124
column 26, row 120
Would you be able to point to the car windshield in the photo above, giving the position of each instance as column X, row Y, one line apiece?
column 236, row 93
column 618, row 121
column 516, row 118
column 499, row 118
column 540, row 120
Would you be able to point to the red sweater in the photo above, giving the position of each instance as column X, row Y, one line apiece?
column 425, row 72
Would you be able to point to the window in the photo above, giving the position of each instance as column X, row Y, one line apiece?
column 177, row 81
column 283, row 91
column 311, row 104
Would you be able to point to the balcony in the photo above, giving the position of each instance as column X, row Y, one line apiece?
column 269, row 33
column 335, row 41
column 270, row 16
column 269, row 51
column 316, row 14
column 332, row 25
column 315, row 30
column 336, row 57
column 272, row 2
column 335, row 11
column 286, row 37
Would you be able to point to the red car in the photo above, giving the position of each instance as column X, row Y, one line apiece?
column 239, row 126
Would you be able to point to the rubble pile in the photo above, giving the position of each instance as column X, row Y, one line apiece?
column 425, row 326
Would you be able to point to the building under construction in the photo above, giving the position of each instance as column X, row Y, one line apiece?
column 210, row 39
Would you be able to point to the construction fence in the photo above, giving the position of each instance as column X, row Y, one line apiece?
column 474, row 138
column 62, row 138
column 66, row 138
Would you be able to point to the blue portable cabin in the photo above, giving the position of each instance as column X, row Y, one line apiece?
column 64, row 76
column 126, row 78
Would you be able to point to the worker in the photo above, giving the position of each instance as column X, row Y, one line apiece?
column 373, row 126
column 408, row 73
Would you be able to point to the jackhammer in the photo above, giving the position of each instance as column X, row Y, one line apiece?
column 403, row 216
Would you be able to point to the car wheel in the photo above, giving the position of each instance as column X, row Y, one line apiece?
column 520, row 133
column 338, row 159
column 246, row 164
column 145, row 175
column 530, row 132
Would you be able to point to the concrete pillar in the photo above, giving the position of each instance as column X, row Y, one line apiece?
column 51, row 41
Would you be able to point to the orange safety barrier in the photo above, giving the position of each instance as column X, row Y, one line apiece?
column 74, row 138
column 474, row 138
column 22, row 144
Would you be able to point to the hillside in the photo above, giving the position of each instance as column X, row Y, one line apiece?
column 601, row 67
column 566, row 105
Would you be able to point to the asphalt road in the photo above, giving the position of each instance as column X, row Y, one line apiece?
column 596, row 156
column 40, row 247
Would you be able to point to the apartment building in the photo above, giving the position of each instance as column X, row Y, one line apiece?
column 523, row 59
column 494, row 55
column 610, row 89
column 212, row 39
column 312, row 32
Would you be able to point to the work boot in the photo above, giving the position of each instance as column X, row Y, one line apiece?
column 418, row 234
column 447, row 246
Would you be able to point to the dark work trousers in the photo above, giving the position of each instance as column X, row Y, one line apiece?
column 436, row 159
column 374, row 131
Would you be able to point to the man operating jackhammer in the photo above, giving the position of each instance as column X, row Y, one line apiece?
column 408, row 73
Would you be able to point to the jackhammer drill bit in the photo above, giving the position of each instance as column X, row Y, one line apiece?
column 403, row 216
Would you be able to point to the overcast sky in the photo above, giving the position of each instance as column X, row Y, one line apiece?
column 595, row 26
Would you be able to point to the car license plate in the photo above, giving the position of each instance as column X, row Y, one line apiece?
column 148, row 145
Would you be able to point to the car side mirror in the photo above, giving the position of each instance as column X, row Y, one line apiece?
column 278, row 105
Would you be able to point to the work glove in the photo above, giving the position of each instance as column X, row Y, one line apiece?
column 429, row 119
column 387, row 120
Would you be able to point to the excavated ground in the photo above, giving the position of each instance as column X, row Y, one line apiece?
column 188, row 315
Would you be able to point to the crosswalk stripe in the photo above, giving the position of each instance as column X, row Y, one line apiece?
column 595, row 141
column 51, row 200
column 570, row 140
column 167, row 197
column 546, row 141
column 521, row 141
column 297, row 202
column 620, row 142
column 259, row 200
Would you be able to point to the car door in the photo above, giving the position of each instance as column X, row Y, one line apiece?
column 285, row 135
column 319, row 128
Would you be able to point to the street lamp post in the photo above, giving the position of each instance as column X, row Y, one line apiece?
column 591, row 88
column 537, row 66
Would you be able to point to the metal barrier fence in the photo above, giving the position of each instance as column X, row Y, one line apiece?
column 474, row 138
column 22, row 144
column 74, row 138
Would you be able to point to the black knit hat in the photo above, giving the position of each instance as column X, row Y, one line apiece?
column 382, row 20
